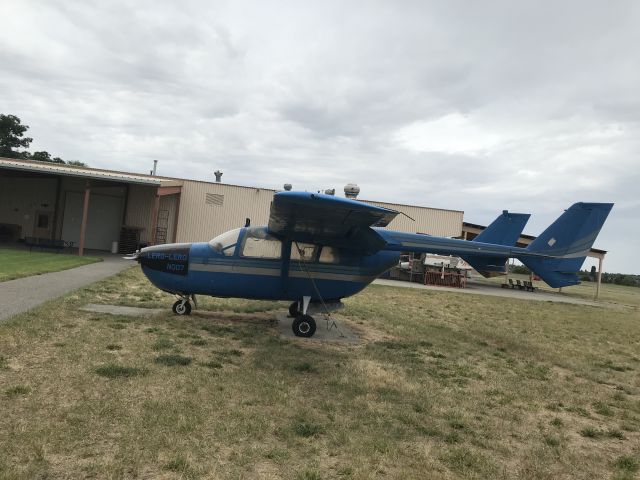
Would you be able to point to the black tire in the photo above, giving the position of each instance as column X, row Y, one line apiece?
column 304, row 326
column 294, row 310
column 180, row 309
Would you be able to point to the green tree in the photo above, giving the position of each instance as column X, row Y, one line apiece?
column 12, row 137
column 45, row 156
column 75, row 163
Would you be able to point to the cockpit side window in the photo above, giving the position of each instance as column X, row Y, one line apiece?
column 259, row 244
column 226, row 243
column 303, row 251
column 329, row 255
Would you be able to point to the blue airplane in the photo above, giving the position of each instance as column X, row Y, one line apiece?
column 318, row 249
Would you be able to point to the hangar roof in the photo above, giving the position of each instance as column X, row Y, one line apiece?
column 84, row 172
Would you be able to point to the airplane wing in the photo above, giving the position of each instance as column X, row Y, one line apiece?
column 329, row 220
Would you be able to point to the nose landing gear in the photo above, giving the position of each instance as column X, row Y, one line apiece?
column 183, row 306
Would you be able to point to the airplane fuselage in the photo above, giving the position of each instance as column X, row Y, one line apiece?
column 199, row 268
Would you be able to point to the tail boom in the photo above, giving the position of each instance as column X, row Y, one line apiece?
column 556, row 255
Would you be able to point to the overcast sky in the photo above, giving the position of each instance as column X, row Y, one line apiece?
column 475, row 106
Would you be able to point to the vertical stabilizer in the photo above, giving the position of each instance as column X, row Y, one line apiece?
column 558, row 253
column 504, row 230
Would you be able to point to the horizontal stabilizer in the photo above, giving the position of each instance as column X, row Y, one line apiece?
column 556, row 272
column 486, row 266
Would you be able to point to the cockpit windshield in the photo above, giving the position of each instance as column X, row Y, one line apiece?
column 226, row 243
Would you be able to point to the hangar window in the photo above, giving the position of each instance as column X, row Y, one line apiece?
column 259, row 244
column 329, row 255
column 303, row 251
column 226, row 243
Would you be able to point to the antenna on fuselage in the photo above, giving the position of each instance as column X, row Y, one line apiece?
column 247, row 222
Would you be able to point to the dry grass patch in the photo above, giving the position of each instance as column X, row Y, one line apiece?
column 112, row 370
column 445, row 386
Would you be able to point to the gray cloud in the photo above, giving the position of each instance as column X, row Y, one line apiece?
column 477, row 106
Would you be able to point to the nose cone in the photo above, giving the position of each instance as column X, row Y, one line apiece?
column 171, row 259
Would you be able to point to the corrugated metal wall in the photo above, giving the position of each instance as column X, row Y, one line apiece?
column 202, row 217
column 201, row 221
column 140, row 209
column 434, row 221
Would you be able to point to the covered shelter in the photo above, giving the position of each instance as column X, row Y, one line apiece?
column 86, row 208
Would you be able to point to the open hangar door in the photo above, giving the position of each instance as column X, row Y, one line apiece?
column 103, row 220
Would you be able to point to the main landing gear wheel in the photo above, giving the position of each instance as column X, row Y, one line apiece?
column 294, row 309
column 182, row 307
column 304, row 326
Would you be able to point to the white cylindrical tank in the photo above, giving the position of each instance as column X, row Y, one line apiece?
column 351, row 190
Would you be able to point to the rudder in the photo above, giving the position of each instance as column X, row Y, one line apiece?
column 559, row 252
column 504, row 230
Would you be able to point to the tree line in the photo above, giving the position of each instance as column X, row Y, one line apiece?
column 627, row 279
column 615, row 278
column 12, row 140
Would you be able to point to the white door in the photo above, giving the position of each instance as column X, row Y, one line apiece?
column 42, row 225
column 103, row 221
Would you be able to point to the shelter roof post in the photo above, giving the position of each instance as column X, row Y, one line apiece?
column 56, row 208
column 154, row 217
column 85, row 213
column 600, row 259
column 176, row 219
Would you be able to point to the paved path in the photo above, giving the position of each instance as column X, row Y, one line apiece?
column 495, row 291
column 22, row 294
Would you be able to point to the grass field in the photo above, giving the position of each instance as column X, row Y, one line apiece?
column 22, row 263
column 443, row 385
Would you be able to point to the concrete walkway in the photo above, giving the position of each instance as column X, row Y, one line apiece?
column 22, row 294
column 474, row 288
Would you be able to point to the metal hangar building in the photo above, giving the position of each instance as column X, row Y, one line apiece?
column 92, row 208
